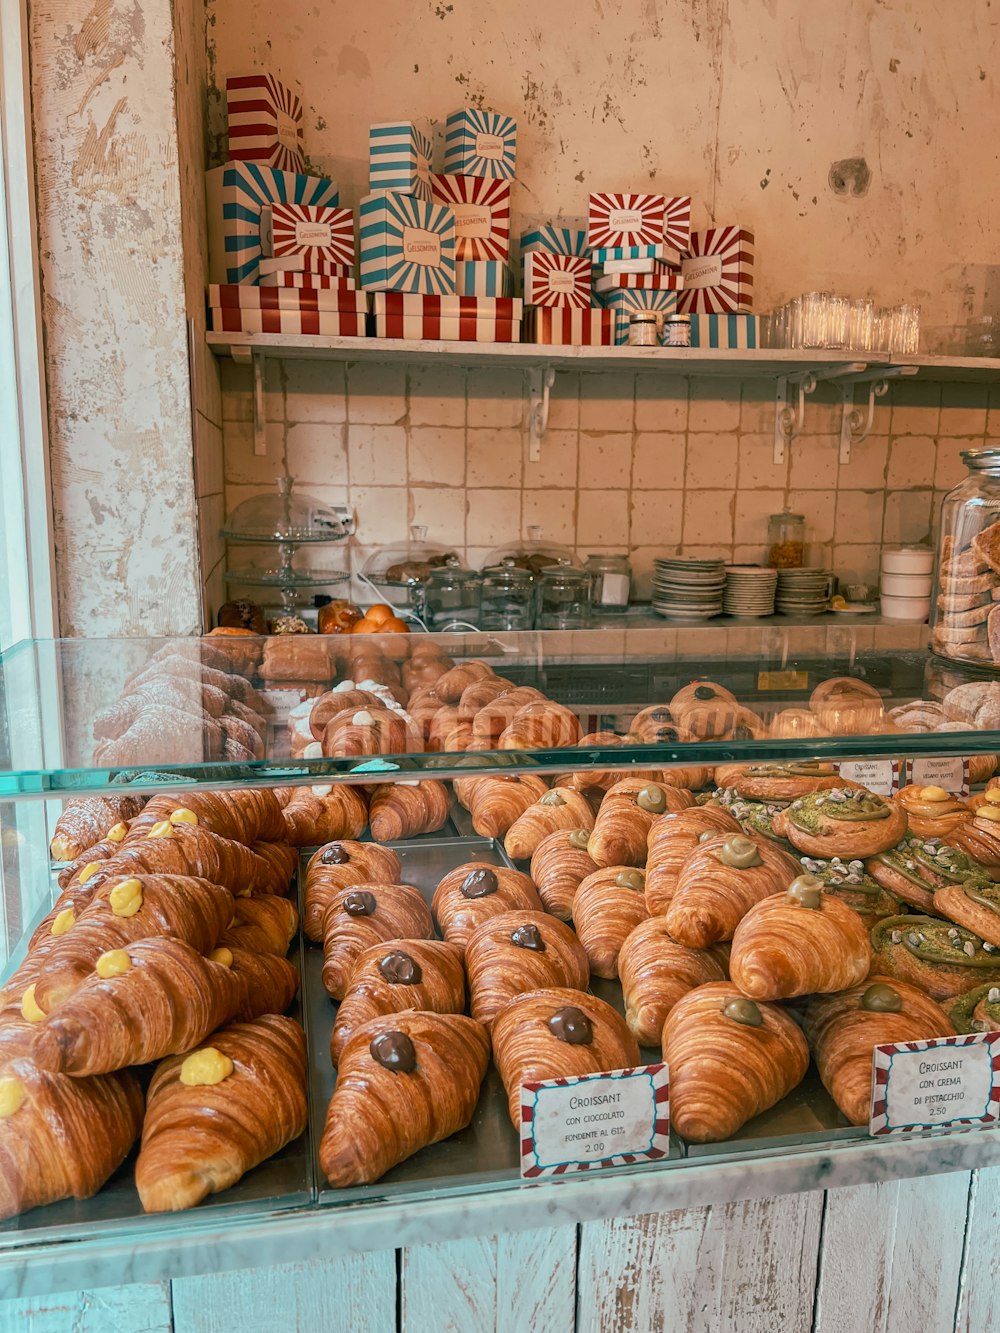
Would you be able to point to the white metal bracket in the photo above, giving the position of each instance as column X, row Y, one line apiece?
column 789, row 414
column 259, row 415
column 856, row 422
column 540, row 381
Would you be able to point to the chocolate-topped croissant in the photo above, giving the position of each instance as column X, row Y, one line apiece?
column 334, row 869
column 607, row 907
column 249, row 815
column 397, row 976
column 557, row 1033
column 476, row 891
column 671, row 840
column 321, row 813
column 730, row 1058
column 656, row 971
column 218, row 1111
column 720, row 881
column 87, row 820
column 60, row 1137
column 626, row 816
column 402, row 810
column 364, row 915
column 517, row 952
column 559, row 864
column 495, row 801
column 560, row 808
column 403, row 1082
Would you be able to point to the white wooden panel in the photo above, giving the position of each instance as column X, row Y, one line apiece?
column 349, row 1295
column 979, row 1299
column 749, row 1266
column 859, row 1232
column 496, row 1284
column 930, row 1231
column 143, row 1308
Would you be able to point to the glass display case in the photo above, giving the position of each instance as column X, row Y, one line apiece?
column 91, row 718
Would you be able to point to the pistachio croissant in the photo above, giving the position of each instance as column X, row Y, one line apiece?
column 560, row 808
column 607, row 907
column 671, row 840
column 476, row 891
column 656, row 971
column 720, row 881
column 369, row 914
column 626, row 816
column 559, row 864
column 517, row 952
column 335, row 868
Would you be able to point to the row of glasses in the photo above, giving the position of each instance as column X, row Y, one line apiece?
column 823, row 319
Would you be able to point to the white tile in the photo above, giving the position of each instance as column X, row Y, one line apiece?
column 707, row 551
column 867, row 468
column 315, row 391
column 496, row 398
column 605, row 461
column 815, row 461
column 441, row 512
column 493, row 457
column 856, row 562
column 376, row 393
column 907, row 517
column 380, row 514
column 641, row 559
column 818, row 509
column 602, row 518
column 556, row 464
column 711, row 461
column 752, row 553
column 949, row 469
column 493, row 517
column 658, row 460
column 661, row 403
column 243, row 466
column 564, row 402
column 964, row 409
column 708, row 518
column 757, row 468
column 317, row 453
column 912, row 460
column 437, row 455
column 607, row 402
column 916, row 408
column 753, row 508
column 553, row 512
column 377, row 455
column 859, row 516
column 656, row 518
column 757, row 408
column 437, row 396
column 714, row 405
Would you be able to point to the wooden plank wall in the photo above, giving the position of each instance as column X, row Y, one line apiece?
column 882, row 1258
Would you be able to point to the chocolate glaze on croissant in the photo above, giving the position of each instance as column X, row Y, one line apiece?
column 495, row 802
column 517, row 952
column 406, row 809
column 560, row 808
column 671, row 840
column 559, row 864
column 476, row 891
column 335, row 868
column 364, row 915
column 607, row 907
column 656, row 971
column 718, row 884
column 626, row 816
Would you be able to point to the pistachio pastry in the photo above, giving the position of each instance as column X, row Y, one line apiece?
column 976, row 1010
column 850, row 882
column 843, row 821
column 938, row 957
column 917, row 867
column 785, row 782
column 975, row 904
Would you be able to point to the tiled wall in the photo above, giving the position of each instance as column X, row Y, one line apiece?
column 648, row 464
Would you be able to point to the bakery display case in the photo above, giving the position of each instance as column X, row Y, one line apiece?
column 468, row 861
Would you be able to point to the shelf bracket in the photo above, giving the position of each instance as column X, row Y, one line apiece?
column 259, row 415
column 856, row 422
column 788, row 418
column 540, row 381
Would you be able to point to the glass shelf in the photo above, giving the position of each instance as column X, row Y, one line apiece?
column 279, row 578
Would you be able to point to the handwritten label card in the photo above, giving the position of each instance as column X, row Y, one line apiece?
column 879, row 775
column 946, row 1081
column 950, row 773
column 597, row 1120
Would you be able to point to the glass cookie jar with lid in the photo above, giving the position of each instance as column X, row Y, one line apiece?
column 786, row 540
column 965, row 604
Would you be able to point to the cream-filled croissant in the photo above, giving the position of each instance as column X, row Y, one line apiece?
column 720, row 881
column 608, row 905
column 656, row 971
column 560, row 808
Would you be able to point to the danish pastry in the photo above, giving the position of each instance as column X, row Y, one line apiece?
column 930, row 811
column 844, row 821
column 976, row 1010
column 915, row 869
column 850, row 883
column 782, row 783
column 937, row 957
column 974, row 904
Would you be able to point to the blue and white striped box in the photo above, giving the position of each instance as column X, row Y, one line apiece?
column 236, row 195
column 661, row 252
column 484, row 277
column 399, row 160
column 734, row 331
column 556, row 240
column 624, row 302
column 407, row 245
column 480, row 143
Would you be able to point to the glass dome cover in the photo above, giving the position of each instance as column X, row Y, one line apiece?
column 408, row 563
column 287, row 516
column 534, row 555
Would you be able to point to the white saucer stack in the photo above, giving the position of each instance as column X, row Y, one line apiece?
column 749, row 590
column 802, row 592
column 688, row 589
column 905, row 583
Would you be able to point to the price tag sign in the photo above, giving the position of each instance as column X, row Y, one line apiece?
column 879, row 775
column 597, row 1120
column 782, row 680
column 944, row 1081
column 951, row 774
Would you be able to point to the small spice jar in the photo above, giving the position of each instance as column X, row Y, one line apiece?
column 564, row 598
column 786, row 540
column 452, row 597
column 610, row 584
column 644, row 328
column 677, row 331
column 507, row 597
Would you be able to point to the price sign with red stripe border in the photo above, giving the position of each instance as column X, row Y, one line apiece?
column 945, row 1081
column 595, row 1121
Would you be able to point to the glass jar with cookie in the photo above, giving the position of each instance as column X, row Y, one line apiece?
column 965, row 614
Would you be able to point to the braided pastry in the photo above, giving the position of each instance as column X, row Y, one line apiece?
column 718, row 884
column 559, row 808
column 403, row 1082
column 406, row 809
column 627, row 813
column 559, row 864
column 473, row 893
column 214, row 1114
column 495, row 801
column 396, row 977
column 607, row 907
column 87, row 820
column 541, row 725
column 369, row 914
column 557, row 1033
column 520, row 951
column 262, row 925
column 333, row 869
column 318, row 814
column 656, row 971
column 671, row 840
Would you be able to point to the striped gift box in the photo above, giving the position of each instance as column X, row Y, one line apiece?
column 626, row 301
column 484, row 277
column 407, row 245
column 556, row 280
column 322, row 323
column 265, row 122
column 322, row 237
column 617, row 221
column 555, row 240
column 570, row 328
column 239, row 296
column 236, row 195
column 480, row 143
column 452, row 318
column 648, row 282
column 718, row 272
column 677, row 222
column 630, row 254
column 482, row 214
column 309, row 281
column 399, row 160
column 724, row 331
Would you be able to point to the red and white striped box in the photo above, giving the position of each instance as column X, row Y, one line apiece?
column 570, row 328
column 649, row 282
column 309, row 281
column 618, row 220
column 325, row 323
column 484, row 319
column 265, row 122
column 482, row 214
column 323, row 238
column 718, row 272
column 677, row 222
column 230, row 296
column 556, row 280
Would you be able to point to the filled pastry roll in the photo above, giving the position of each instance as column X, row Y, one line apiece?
column 248, row 816
column 852, row 884
column 937, row 957
column 87, row 820
column 607, row 907
column 930, row 811
column 369, row 914
column 918, row 867
column 656, row 971
column 560, row 808
column 844, row 821
column 671, row 840
column 517, row 952
column 334, row 869
column 558, row 865
column 974, row 904
column 718, row 884
column 626, row 816
column 473, row 893
column 976, row 1010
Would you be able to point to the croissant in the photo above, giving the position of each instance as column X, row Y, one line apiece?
column 493, row 719
column 799, row 943
column 718, row 884
column 930, row 811
column 334, row 702
column 450, row 686
column 656, row 971
column 842, row 1031
column 423, row 707
column 559, row 808
column 976, row 1010
column 275, row 867
column 154, row 997
column 249, row 815
column 783, row 782
column 559, row 864
column 92, row 857
column 424, row 669
column 557, row 1033
column 980, row 839
column 482, row 692
column 850, row 883
column 214, row 1114
column 730, row 1058
column 262, row 925
column 626, row 815
column 447, row 733
column 396, row 977
column 61, row 1138
column 847, row 706
column 671, row 840
column 334, row 869
column 129, row 909
column 87, row 820
column 541, row 725
column 656, row 725
column 495, row 801
column 844, row 821
column 266, row 984
column 607, row 907
column 937, row 957
column 520, row 951
column 404, row 1082
column 405, row 809
column 318, row 814
column 473, row 893
column 369, row 914
column 371, row 731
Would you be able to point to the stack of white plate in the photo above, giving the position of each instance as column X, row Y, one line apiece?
column 749, row 590
column 802, row 592
column 688, row 589
column 905, row 586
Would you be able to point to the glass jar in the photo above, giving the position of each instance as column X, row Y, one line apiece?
column 968, row 556
column 507, row 597
column 786, row 540
column 677, row 331
column 610, row 584
column 564, row 598
column 452, row 598
column 644, row 328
